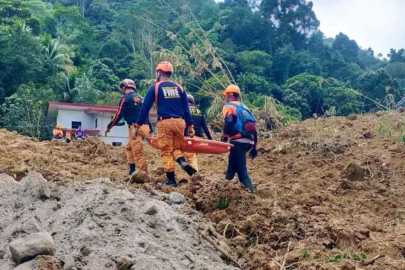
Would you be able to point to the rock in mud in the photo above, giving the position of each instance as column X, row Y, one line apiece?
column 352, row 117
column 8, row 184
column 47, row 262
column 150, row 209
column 139, row 177
column 69, row 263
column 124, row 263
column 354, row 172
column 176, row 198
column 26, row 248
column 41, row 263
column 44, row 192
column 36, row 185
column 348, row 266
column 26, row 266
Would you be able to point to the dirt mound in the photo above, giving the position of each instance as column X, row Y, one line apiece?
column 328, row 190
column 81, row 160
column 96, row 225
column 322, row 185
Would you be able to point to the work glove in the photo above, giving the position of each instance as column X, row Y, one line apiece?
column 253, row 153
column 137, row 100
column 224, row 139
column 190, row 131
column 106, row 132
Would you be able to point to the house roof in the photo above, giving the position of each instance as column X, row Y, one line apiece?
column 53, row 106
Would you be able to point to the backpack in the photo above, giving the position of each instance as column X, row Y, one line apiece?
column 245, row 121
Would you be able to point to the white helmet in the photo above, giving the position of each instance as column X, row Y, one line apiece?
column 190, row 99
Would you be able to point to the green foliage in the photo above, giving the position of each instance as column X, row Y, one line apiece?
column 223, row 202
column 376, row 85
column 396, row 70
column 84, row 91
column 305, row 254
column 25, row 111
column 256, row 62
column 58, row 55
column 17, row 11
column 345, row 255
column 313, row 94
column 271, row 49
column 103, row 77
column 346, row 47
column 109, row 98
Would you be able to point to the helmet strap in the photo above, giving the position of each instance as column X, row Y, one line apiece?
column 158, row 75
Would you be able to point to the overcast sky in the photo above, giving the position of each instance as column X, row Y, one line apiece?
column 379, row 24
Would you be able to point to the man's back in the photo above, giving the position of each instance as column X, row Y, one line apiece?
column 200, row 125
column 132, row 108
column 169, row 102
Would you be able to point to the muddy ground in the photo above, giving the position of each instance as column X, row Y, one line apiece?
column 329, row 191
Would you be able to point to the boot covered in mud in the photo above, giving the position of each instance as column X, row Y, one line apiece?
column 131, row 169
column 171, row 180
column 185, row 166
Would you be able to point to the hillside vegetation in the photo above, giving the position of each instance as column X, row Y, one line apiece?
column 77, row 51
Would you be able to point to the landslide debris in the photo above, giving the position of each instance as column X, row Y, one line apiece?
column 97, row 225
column 330, row 188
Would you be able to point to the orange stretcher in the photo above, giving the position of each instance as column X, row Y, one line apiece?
column 199, row 146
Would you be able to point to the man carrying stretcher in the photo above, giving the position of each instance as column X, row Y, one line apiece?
column 173, row 116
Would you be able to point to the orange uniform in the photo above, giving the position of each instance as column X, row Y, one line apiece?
column 134, row 148
column 57, row 133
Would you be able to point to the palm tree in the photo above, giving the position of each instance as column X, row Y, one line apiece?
column 20, row 27
column 59, row 54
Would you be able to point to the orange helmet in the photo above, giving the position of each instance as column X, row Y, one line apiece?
column 165, row 67
column 59, row 126
column 128, row 83
column 231, row 89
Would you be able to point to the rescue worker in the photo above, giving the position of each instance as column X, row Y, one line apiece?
column 241, row 143
column 68, row 136
column 79, row 133
column 173, row 116
column 58, row 133
column 129, row 107
column 200, row 127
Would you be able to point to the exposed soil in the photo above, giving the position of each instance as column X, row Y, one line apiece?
column 332, row 187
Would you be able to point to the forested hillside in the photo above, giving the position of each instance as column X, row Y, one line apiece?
column 78, row 51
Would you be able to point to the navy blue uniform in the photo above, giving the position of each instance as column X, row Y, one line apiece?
column 171, row 102
column 128, row 110
column 200, row 125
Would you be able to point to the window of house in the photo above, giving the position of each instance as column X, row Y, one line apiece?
column 96, row 123
column 117, row 143
column 76, row 124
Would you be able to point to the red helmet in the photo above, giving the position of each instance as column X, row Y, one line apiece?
column 165, row 67
column 128, row 83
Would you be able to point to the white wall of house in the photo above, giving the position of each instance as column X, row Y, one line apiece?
column 65, row 118
column 117, row 133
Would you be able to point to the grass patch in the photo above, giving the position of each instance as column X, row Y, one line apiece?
column 356, row 256
column 223, row 202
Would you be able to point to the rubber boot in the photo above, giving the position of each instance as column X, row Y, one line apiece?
column 185, row 166
column 171, row 181
column 131, row 169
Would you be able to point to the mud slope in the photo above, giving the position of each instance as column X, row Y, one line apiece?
column 333, row 188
